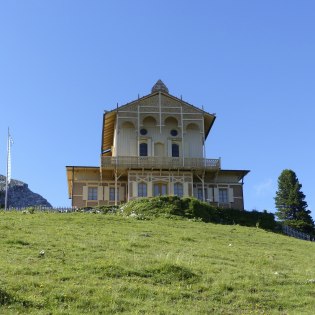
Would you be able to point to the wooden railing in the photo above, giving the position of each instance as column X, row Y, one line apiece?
column 159, row 162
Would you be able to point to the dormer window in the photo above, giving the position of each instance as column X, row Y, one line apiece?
column 174, row 133
column 143, row 131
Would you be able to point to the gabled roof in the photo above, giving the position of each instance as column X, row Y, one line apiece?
column 109, row 117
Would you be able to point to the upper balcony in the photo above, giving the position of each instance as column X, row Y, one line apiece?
column 153, row 162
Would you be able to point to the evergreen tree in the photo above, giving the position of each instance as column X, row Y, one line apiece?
column 290, row 202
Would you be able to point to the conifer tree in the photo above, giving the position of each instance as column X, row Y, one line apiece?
column 290, row 202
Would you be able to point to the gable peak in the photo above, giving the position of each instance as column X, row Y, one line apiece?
column 159, row 86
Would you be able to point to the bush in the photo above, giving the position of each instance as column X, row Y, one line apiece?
column 31, row 210
column 169, row 205
column 192, row 208
column 107, row 209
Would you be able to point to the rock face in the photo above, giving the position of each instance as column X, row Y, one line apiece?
column 19, row 195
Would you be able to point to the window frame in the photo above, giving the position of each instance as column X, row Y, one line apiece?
column 174, row 133
column 92, row 194
column 175, row 149
column 143, row 131
column 223, row 195
column 179, row 190
column 199, row 194
column 160, row 187
column 112, row 193
column 142, row 189
column 143, row 149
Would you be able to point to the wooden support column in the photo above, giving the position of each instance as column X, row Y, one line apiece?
column 203, row 188
column 72, row 186
column 138, row 133
column 116, row 187
column 182, row 127
column 202, row 179
column 116, row 133
column 203, row 136
column 128, row 192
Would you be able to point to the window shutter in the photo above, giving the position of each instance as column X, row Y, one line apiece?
column 216, row 195
column 195, row 192
column 85, row 193
column 210, row 194
column 106, row 193
column 135, row 189
column 149, row 147
column 149, row 189
column 169, row 148
column 186, row 193
column 171, row 188
column 231, row 195
column 152, row 150
column 130, row 194
column 121, row 193
column 100, row 193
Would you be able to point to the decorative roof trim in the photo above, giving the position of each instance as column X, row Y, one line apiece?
column 159, row 86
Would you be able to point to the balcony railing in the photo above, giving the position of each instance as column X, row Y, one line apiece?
column 159, row 162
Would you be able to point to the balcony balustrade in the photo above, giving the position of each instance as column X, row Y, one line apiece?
column 153, row 162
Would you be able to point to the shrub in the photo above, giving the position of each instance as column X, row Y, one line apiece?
column 192, row 208
column 31, row 210
column 107, row 209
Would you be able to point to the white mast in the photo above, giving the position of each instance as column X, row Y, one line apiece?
column 8, row 175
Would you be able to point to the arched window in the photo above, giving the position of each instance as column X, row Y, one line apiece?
column 175, row 150
column 178, row 189
column 142, row 190
column 143, row 149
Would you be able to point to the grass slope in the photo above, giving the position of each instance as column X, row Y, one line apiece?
column 110, row 264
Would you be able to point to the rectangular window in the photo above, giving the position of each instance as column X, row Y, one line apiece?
column 112, row 194
column 142, row 190
column 92, row 193
column 199, row 194
column 178, row 190
column 175, row 150
column 223, row 195
column 143, row 149
column 160, row 189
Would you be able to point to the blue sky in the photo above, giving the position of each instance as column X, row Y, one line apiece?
column 62, row 63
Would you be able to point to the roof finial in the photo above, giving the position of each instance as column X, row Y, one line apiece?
column 159, row 86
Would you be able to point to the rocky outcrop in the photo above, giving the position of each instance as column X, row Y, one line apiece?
column 19, row 195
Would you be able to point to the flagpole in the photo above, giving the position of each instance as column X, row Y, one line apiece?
column 7, row 181
column 6, row 178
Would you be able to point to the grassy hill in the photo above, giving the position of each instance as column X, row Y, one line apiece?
column 81, row 263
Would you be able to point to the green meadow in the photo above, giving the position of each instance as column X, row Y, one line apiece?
column 85, row 263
